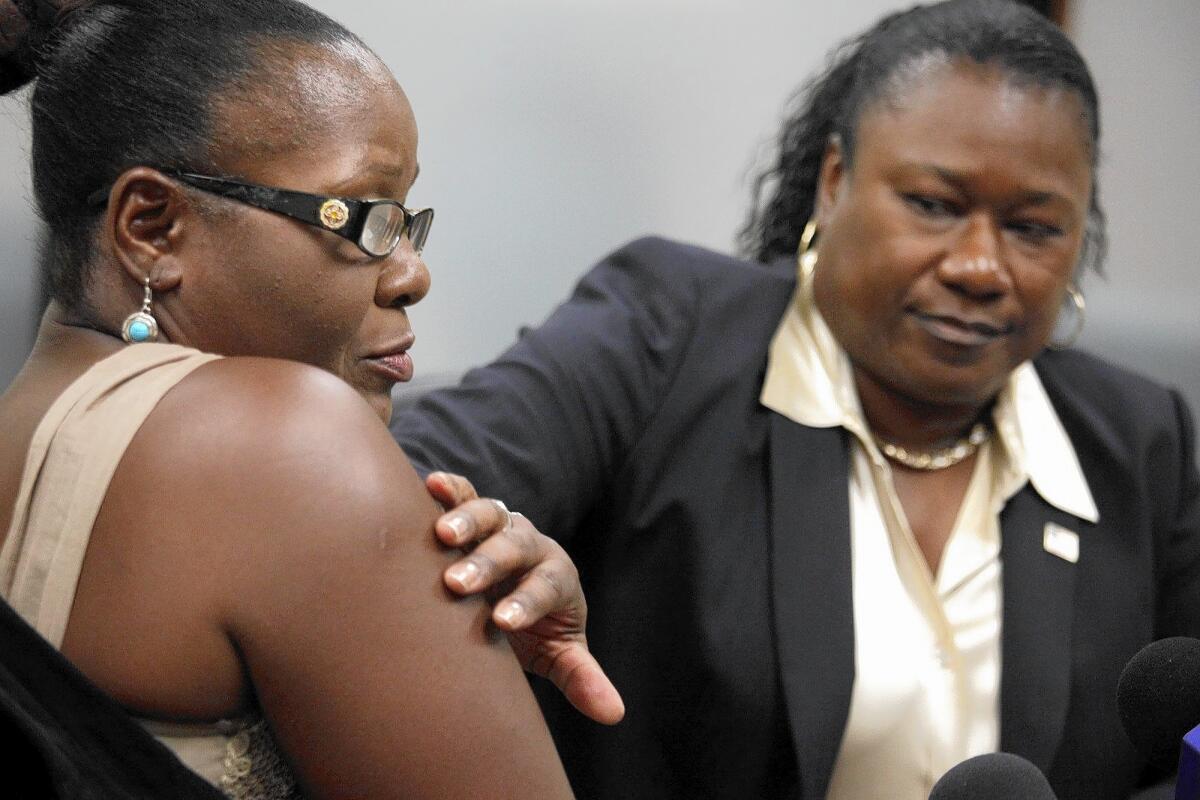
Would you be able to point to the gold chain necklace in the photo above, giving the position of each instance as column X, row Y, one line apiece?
column 963, row 449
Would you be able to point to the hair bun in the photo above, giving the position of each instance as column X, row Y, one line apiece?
column 15, row 69
column 25, row 26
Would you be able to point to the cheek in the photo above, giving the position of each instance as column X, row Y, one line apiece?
column 320, row 313
column 874, row 261
column 1043, row 299
column 297, row 303
column 1041, row 284
column 868, row 283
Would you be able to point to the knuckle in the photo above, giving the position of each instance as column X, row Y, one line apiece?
column 556, row 558
column 524, row 539
column 552, row 582
column 481, row 527
column 462, row 488
column 467, row 488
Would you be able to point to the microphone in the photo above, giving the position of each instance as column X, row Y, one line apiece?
column 993, row 776
column 1158, row 697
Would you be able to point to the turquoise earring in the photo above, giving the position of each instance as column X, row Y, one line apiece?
column 141, row 326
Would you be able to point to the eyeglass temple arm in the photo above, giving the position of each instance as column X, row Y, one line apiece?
column 297, row 205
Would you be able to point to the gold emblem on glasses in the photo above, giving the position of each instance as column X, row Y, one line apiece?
column 334, row 214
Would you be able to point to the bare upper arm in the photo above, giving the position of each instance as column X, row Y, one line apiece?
column 327, row 580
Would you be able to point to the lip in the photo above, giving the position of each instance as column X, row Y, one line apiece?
column 961, row 331
column 393, row 361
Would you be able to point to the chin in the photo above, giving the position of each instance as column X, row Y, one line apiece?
column 383, row 407
column 957, row 390
column 380, row 403
column 969, row 382
column 935, row 383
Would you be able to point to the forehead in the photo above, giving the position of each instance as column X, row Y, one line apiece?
column 322, row 110
column 967, row 117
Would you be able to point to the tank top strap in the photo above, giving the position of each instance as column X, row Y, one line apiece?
column 73, row 455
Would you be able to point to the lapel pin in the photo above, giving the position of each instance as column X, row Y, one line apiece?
column 1061, row 542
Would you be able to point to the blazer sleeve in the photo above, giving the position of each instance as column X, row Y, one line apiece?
column 547, row 425
column 1178, row 526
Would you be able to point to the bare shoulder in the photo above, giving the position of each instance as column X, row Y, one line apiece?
column 249, row 481
column 244, row 409
column 281, row 469
column 278, row 438
column 327, row 582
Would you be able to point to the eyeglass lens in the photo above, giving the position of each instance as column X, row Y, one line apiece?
column 385, row 225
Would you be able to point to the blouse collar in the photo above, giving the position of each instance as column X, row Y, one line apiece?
column 810, row 381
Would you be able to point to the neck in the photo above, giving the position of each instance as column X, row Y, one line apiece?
column 911, row 423
column 65, row 344
column 62, row 330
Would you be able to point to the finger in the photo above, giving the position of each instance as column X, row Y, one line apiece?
column 580, row 678
column 449, row 489
column 514, row 551
column 472, row 521
column 551, row 587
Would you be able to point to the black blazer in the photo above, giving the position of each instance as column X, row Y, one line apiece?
column 712, row 536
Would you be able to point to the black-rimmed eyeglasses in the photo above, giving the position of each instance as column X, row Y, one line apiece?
column 376, row 226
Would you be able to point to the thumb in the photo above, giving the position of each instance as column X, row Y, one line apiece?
column 581, row 679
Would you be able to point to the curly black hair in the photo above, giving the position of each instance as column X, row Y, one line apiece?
column 1013, row 37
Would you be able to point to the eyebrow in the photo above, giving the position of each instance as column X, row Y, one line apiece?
column 388, row 170
column 393, row 170
column 1036, row 197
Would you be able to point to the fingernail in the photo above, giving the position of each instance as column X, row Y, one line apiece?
column 511, row 613
column 467, row 574
column 458, row 525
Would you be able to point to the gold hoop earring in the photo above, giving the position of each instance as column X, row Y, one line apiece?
column 1077, row 301
column 806, row 258
column 141, row 326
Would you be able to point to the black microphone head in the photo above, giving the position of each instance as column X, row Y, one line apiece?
column 993, row 776
column 1158, row 697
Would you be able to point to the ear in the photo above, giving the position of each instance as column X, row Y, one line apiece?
column 148, row 215
column 831, row 179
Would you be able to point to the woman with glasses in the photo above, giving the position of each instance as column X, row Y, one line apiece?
column 200, row 504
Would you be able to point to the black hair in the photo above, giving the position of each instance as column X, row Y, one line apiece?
column 121, row 83
column 1012, row 37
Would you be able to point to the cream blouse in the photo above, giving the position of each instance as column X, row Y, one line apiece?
column 927, row 647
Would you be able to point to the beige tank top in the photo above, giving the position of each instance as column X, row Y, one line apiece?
column 72, row 457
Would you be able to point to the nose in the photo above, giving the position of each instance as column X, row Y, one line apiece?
column 403, row 278
column 976, row 266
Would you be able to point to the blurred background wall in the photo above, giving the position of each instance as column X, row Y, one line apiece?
column 553, row 131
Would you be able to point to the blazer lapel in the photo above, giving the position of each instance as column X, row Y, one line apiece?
column 1039, row 590
column 811, row 591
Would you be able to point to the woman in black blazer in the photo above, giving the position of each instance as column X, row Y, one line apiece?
column 844, row 525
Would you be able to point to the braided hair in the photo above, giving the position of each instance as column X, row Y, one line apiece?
column 1023, row 44
column 121, row 83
